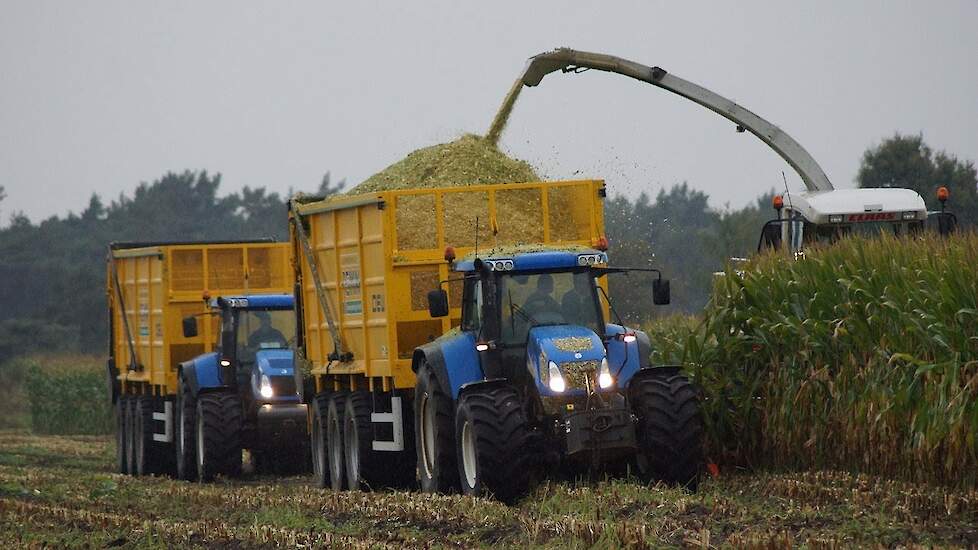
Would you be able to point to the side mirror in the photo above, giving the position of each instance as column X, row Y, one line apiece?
column 438, row 303
column 189, row 327
column 660, row 292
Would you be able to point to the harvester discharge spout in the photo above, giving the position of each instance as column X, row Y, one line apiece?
column 572, row 61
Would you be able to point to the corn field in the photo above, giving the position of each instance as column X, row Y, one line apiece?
column 860, row 356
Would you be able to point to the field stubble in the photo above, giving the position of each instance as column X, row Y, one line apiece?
column 60, row 490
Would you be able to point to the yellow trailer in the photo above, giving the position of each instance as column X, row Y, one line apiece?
column 151, row 289
column 377, row 256
column 364, row 266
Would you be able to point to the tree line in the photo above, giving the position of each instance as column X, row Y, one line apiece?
column 52, row 287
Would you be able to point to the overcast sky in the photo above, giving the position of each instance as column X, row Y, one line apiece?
column 99, row 96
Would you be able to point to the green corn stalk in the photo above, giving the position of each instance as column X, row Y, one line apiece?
column 861, row 356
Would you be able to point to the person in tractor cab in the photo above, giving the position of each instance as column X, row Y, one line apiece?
column 265, row 335
column 577, row 299
column 542, row 300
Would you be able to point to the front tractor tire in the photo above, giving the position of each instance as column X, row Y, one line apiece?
column 670, row 429
column 219, row 421
column 494, row 444
column 434, row 435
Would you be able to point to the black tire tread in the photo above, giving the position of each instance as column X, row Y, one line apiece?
column 186, row 465
column 121, row 423
column 670, row 428
column 320, row 406
column 335, row 408
column 147, row 453
column 504, row 442
column 222, row 435
column 445, row 478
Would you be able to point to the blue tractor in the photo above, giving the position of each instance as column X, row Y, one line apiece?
column 244, row 395
column 536, row 378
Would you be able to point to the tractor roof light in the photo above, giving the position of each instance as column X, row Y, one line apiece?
column 777, row 202
column 943, row 194
column 449, row 254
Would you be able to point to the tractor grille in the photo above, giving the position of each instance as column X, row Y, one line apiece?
column 282, row 385
column 575, row 373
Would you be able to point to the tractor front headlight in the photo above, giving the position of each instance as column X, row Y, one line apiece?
column 265, row 388
column 555, row 378
column 605, row 380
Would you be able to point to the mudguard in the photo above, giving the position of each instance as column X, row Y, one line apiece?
column 626, row 359
column 202, row 374
column 454, row 361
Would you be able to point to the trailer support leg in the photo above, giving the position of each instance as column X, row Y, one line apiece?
column 395, row 418
column 167, row 418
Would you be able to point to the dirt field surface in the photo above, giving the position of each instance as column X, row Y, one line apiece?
column 62, row 492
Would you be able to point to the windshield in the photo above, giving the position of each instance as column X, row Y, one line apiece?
column 260, row 329
column 564, row 298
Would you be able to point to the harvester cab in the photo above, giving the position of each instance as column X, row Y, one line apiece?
column 823, row 217
column 249, row 383
column 535, row 367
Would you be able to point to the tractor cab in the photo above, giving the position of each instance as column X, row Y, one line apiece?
column 823, row 217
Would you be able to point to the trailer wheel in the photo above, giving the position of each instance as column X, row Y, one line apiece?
column 146, row 454
column 494, row 444
column 317, row 440
column 434, row 435
column 364, row 469
column 185, row 441
column 218, row 436
column 669, row 429
column 131, row 435
column 121, row 435
column 335, row 459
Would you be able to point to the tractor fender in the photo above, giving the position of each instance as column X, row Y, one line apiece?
column 453, row 359
column 479, row 385
column 627, row 359
column 202, row 374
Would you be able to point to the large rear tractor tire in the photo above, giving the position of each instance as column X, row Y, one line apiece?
column 494, row 444
column 184, row 436
column 121, row 434
column 219, row 419
column 670, row 429
column 317, row 440
column 147, row 454
column 434, row 428
column 335, row 457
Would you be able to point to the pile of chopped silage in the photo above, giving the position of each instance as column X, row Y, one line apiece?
column 469, row 160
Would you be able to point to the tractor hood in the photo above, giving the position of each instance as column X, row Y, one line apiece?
column 275, row 362
column 576, row 350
